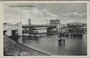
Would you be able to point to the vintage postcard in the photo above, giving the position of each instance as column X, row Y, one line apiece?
column 44, row 0
column 40, row 28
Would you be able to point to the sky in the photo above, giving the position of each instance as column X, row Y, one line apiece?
column 41, row 13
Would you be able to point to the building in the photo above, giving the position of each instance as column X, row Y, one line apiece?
column 55, row 22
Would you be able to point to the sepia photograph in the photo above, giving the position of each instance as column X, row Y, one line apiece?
column 45, row 29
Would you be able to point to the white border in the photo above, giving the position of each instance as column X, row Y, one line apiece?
column 1, row 27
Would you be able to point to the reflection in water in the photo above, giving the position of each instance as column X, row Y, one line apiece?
column 49, row 45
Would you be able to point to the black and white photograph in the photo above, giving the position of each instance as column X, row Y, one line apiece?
column 45, row 29
column 44, row 0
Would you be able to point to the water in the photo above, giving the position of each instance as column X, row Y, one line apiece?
column 49, row 45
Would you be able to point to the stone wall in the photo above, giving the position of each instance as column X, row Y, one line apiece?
column 12, row 48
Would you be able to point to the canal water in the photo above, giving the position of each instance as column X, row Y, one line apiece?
column 49, row 45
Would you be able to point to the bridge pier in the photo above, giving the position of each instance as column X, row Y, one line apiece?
column 9, row 32
column 19, row 28
column 4, row 32
column 49, row 31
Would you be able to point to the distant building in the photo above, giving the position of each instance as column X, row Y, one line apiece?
column 77, row 24
column 55, row 22
column 77, row 27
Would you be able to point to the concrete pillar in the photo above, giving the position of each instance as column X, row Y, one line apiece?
column 9, row 32
column 20, row 40
column 48, row 31
column 19, row 28
column 58, row 28
column 9, row 29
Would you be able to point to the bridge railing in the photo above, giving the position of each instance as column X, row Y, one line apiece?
column 10, row 26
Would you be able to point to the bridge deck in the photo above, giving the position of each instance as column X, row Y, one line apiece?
column 27, row 26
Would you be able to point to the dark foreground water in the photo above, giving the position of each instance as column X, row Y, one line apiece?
column 49, row 45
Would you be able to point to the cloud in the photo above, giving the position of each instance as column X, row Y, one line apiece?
column 34, row 14
column 49, row 13
column 73, row 15
column 39, row 16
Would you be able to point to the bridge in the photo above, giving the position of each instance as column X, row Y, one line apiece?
column 18, row 28
column 31, row 30
column 48, row 26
